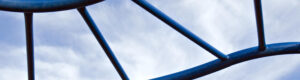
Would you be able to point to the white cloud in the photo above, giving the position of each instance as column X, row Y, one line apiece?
column 148, row 48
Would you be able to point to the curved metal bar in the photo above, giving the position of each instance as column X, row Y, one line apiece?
column 236, row 57
column 29, row 45
column 90, row 22
column 43, row 5
column 260, row 25
column 179, row 28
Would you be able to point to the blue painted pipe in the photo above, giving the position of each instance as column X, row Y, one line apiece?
column 160, row 15
column 260, row 25
column 88, row 19
column 43, row 5
column 29, row 45
column 235, row 58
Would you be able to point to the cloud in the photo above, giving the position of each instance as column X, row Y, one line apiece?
column 145, row 46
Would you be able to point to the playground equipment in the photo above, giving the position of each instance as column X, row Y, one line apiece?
column 28, row 7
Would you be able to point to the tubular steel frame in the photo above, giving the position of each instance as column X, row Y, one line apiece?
column 223, row 61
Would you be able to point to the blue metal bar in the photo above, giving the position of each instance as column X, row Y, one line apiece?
column 43, row 5
column 260, row 25
column 147, row 6
column 235, row 58
column 86, row 16
column 30, row 45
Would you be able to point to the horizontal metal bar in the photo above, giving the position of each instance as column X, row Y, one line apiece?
column 160, row 15
column 29, row 45
column 86, row 16
column 235, row 58
column 260, row 25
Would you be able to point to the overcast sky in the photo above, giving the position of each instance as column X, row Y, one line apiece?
column 65, row 49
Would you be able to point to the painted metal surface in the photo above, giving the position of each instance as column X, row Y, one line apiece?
column 235, row 58
column 223, row 61
column 43, row 5
column 29, row 45
column 260, row 25
column 93, row 27
column 179, row 28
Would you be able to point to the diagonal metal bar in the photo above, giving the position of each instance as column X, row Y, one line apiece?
column 260, row 25
column 86, row 16
column 29, row 45
column 160, row 15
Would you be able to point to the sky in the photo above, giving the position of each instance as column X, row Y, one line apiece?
column 65, row 48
